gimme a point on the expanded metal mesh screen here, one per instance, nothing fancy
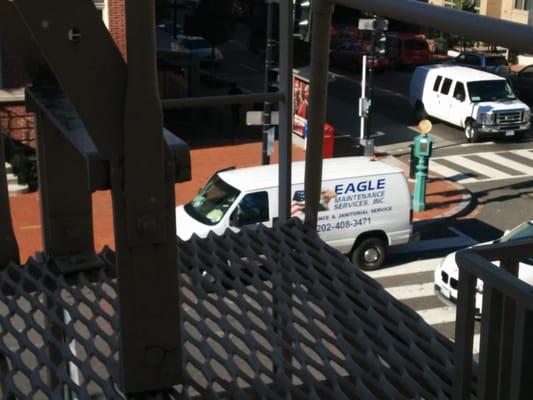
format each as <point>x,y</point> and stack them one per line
<point>265,314</point>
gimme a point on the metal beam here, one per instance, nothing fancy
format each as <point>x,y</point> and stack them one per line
<point>67,223</point>
<point>216,101</point>
<point>286,24</point>
<point>79,49</point>
<point>145,223</point>
<point>470,25</point>
<point>15,36</point>
<point>316,117</point>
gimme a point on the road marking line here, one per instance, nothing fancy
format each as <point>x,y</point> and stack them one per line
<point>449,173</point>
<point>522,168</point>
<point>412,268</point>
<point>523,153</point>
<point>438,315</point>
<point>411,291</point>
<point>478,167</point>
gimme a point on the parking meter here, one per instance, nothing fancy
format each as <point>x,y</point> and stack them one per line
<point>422,148</point>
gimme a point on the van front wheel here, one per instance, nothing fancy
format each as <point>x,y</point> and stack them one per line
<point>369,254</point>
<point>471,132</point>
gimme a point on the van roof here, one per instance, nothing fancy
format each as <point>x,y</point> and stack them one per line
<point>459,72</point>
<point>266,176</point>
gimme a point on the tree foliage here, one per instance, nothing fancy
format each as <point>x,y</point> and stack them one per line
<point>465,5</point>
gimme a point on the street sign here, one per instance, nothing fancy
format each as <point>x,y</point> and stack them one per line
<point>373,24</point>
<point>257,118</point>
<point>271,135</point>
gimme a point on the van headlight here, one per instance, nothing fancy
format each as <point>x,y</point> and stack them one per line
<point>486,118</point>
<point>527,115</point>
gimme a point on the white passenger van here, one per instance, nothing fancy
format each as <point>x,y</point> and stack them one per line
<point>365,205</point>
<point>480,102</point>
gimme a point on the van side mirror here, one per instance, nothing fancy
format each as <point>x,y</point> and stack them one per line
<point>460,97</point>
<point>235,218</point>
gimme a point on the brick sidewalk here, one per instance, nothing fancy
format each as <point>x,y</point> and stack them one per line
<point>443,197</point>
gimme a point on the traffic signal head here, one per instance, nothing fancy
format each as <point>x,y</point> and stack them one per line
<point>302,19</point>
<point>380,42</point>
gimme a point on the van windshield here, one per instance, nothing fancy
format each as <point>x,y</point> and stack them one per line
<point>212,201</point>
<point>490,90</point>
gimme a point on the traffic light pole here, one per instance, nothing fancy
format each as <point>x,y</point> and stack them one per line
<point>267,109</point>
<point>367,142</point>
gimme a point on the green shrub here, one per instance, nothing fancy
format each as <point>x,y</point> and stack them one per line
<point>25,168</point>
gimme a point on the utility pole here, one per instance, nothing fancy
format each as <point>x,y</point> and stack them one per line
<point>376,26</point>
<point>268,128</point>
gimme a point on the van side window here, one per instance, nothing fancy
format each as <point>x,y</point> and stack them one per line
<point>252,209</point>
<point>437,83</point>
<point>459,92</point>
<point>445,89</point>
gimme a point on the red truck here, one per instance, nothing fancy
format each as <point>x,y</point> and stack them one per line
<point>407,49</point>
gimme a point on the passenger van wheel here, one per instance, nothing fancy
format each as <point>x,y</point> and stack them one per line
<point>420,112</point>
<point>471,132</point>
<point>369,254</point>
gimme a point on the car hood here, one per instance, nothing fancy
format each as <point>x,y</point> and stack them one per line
<point>187,225</point>
<point>449,265</point>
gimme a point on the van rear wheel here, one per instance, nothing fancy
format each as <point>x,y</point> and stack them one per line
<point>369,254</point>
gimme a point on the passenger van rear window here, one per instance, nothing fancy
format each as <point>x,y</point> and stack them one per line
<point>446,86</point>
<point>437,83</point>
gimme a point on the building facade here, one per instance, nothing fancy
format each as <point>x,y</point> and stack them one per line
<point>511,10</point>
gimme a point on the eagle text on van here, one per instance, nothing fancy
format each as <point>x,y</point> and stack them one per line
<point>365,205</point>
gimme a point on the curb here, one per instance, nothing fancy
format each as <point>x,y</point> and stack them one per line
<point>452,211</point>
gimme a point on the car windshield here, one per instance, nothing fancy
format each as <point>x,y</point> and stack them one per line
<point>495,61</point>
<point>522,231</point>
<point>212,201</point>
<point>490,90</point>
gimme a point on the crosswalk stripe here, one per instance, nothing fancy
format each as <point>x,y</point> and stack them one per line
<point>494,157</point>
<point>450,173</point>
<point>524,153</point>
<point>439,315</point>
<point>412,291</point>
<point>478,167</point>
<point>412,268</point>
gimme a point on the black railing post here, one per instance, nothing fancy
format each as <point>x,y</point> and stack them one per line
<point>464,336</point>
<point>8,242</point>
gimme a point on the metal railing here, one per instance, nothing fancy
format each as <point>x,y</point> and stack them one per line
<point>506,346</point>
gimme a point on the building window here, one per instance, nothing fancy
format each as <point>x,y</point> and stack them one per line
<point>523,4</point>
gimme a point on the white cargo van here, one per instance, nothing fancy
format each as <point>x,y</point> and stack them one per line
<point>365,205</point>
<point>479,102</point>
